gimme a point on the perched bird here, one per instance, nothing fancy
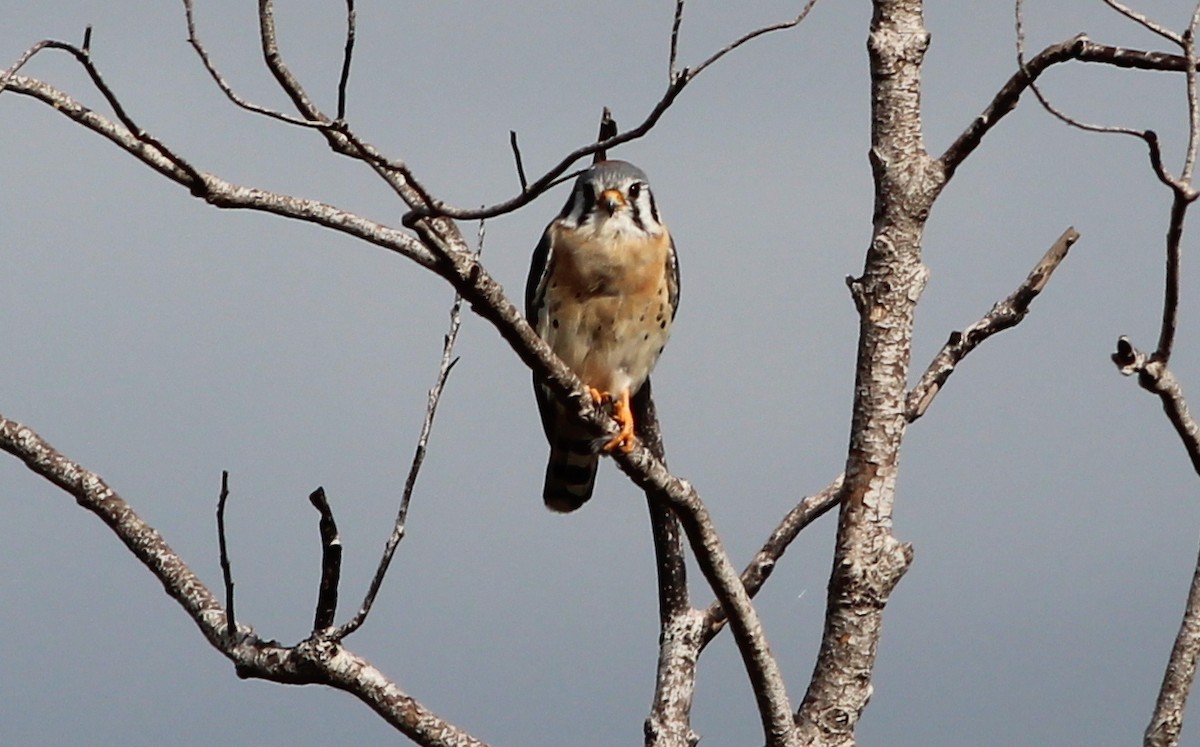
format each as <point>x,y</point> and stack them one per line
<point>602,291</point>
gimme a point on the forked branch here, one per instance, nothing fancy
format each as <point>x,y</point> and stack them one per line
<point>313,661</point>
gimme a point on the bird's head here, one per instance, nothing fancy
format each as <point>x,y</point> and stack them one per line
<point>612,196</point>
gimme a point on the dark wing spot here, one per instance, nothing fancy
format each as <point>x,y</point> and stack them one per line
<point>554,323</point>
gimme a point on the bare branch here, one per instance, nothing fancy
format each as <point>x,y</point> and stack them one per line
<point>766,680</point>
<point>1144,21</point>
<point>331,563</point>
<point>399,527</point>
<point>83,57</point>
<point>763,564</point>
<point>868,559</point>
<point>226,568</point>
<point>1079,48</point>
<point>671,74</point>
<point>551,177</point>
<point>669,721</point>
<point>516,149</point>
<point>1154,376</point>
<point>219,79</point>
<point>1004,315</point>
<point>225,194</point>
<point>347,56</point>
<point>1170,313</point>
<point>1189,53</point>
<point>1006,100</point>
<point>608,129</point>
<point>314,661</point>
<point>1045,102</point>
<point>808,6</point>
<point>1167,720</point>
<point>269,46</point>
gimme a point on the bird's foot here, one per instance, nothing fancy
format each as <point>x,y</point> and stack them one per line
<point>623,414</point>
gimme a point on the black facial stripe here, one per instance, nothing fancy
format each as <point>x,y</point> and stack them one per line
<point>653,207</point>
<point>636,214</point>
<point>587,193</point>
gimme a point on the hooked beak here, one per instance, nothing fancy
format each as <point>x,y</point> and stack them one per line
<point>610,200</point>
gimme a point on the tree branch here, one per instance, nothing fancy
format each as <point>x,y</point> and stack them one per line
<point>868,559</point>
<point>652,476</point>
<point>226,568</point>
<point>669,722</point>
<point>1004,315</point>
<point>763,564</point>
<point>314,661</point>
<point>399,527</point>
<point>1167,722</point>
<point>674,87</point>
<point>440,247</point>
<point>1154,376</point>
<point>331,563</point>
<point>347,57</point>
<point>1080,49</point>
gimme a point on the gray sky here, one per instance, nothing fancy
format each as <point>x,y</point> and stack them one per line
<point>158,341</point>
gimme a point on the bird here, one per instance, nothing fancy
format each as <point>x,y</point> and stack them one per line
<point>602,292</point>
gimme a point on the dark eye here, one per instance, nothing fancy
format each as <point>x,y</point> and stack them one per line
<point>635,190</point>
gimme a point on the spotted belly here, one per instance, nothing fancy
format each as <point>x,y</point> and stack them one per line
<point>611,342</point>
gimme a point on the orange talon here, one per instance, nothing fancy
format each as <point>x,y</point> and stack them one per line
<point>623,414</point>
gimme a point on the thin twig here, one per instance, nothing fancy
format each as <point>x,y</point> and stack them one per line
<point>269,46</point>
<point>692,73</point>
<point>219,79</point>
<point>1079,48</point>
<point>226,568</point>
<point>1144,21</point>
<point>1170,312</point>
<point>331,563</point>
<point>1006,100</point>
<point>83,56</point>
<point>554,174</point>
<point>399,527</point>
<point>1045,101</point>
<point>347,56</point>
<point>1189,53</point>
<point>310,662</point>
<point>516,149</point>
<point>608,129</point>
<point>675,23</point>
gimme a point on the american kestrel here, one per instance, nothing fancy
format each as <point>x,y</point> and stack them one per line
<point>602,292</point>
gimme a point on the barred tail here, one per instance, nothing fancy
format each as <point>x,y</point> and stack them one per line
<point>571,470</point>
